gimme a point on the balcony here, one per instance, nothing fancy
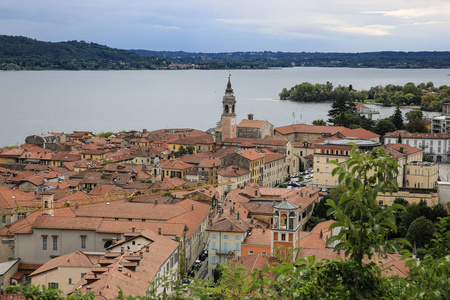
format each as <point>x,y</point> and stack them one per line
<point>224,252</point>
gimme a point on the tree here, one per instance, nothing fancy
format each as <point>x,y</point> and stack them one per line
<point>319,122</point>
<point>341,106</point>
<point>417,126</point>
<point>428,98</point>
<point>384,126</point>
<point>397,118</point>
<point>364,227</point>
<point>414,114</point>
<point>410,88</point>
<point>420,232</point>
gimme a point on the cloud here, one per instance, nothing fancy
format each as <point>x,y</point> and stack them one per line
<point>370,30</point>
<point>413,13</point>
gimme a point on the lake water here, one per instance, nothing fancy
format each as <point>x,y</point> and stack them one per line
<point>33,102</point>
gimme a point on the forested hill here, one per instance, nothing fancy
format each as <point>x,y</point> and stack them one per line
<point>21,53</point>
<point>268,59</point>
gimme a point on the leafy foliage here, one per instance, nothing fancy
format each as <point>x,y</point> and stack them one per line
<point>21,53</point>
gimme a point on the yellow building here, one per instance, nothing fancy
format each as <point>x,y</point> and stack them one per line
<point>231,177</point>
<point>203,143</point>
<point>423,175</point>
<point>175,168</point>
<point>63,272</point>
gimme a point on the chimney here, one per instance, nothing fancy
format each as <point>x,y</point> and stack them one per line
<point>133,229</point>
<point>122,250</point>
<point>88,289</point>
<point>114,241</point>
<point>120,268</point>
<point>147,248</point>
<point>159,230</point>
<point>141,254</point>
<point>192,206</point>
<point>250,116</point>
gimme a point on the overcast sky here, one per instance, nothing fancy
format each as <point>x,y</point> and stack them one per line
<point>235,25</point>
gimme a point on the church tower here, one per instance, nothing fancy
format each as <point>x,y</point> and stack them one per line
<point>285,229</point>
<point>228,120</point>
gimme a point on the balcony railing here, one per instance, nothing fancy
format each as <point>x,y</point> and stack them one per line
<point>224,252</point>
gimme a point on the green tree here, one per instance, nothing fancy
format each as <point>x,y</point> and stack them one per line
<point>420,232</point>
<point>319,122</point>
<point>410,88</point>
<point>384,126</point>
<point>343,105</point>
<point>397,118</point>
<point>414,114</point>
<point>417,126</point>
<point>364,227</point>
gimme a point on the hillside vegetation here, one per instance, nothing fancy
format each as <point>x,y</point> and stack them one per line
<point>21,53</point>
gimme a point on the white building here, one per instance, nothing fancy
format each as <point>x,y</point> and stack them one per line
<point>435,144</point>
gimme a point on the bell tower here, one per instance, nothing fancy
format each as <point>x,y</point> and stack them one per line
<point>228,120</point>
<point>285,229</point>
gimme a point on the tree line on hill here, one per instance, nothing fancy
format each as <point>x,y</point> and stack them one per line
<point>269,59</point>
<point>22,53</point>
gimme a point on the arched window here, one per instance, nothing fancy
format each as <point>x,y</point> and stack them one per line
<point>226,109</point>
<point>250,252</point>
<point>264,253</point>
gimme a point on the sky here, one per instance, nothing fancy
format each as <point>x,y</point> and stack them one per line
<point>235,25</point>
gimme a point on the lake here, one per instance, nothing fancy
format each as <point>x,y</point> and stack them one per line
<point>34,102</point>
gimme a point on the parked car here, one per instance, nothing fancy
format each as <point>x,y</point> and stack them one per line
<point>197,265</point>
<point>202,257</point>
<point>205,252</point>
<point>191,273</point>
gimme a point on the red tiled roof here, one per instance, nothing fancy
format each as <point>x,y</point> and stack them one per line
<point>175,165</point>
<point>74,259</point>
<point>246,123</point>
<point>79,223</point>
<point>360,133</point>
<point>305,128</point>
<point>406,134</point>
<point>251,154</point>
<point>232,171</point>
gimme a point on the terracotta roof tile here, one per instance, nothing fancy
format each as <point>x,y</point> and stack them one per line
<point>74,259</point>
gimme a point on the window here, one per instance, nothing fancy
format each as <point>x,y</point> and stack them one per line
<point>213,259</point>
<point>318,159</point>
<point>264,253</point>
<point>380,202</point>
<point>83,241</point>
<point>225,236</point>
<point>3,219</point>
<point>70,280</point>
<point>44,243</point>
<point>326,170</point>
<point>53,285</point>
<point>225,246</point>
<point>214,236</point>
<point>328,159</point>
<point>55,243</point>
<point>237,237</point>
<point>250,252</point>
<point>283,236</point>
<point>213,245</point>
<point>238,247</point>
<point>20,216</point>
